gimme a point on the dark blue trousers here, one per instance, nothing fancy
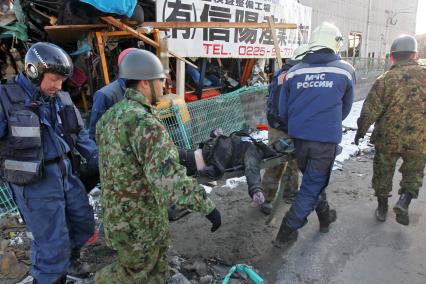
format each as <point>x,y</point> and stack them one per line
<point>56,211</point>
<point>315,161</point>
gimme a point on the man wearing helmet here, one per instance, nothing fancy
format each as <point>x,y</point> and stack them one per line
<point>106,97</point>
<point>316,96</point>
<point>140,173</point>
<point>41,137</point>
<point>397,105</point>
<point>273,175</point>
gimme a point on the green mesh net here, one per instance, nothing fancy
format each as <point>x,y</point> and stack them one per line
<point>6,202</point>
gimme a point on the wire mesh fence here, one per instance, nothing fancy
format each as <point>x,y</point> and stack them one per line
<point>7,205</point>
<point>224,111</point>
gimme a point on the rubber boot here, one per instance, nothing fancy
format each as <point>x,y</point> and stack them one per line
<point>382,209</point>
<point>286,235</point>
<point>266,208</point>
<point>326,216</point>
<point>401,208</point>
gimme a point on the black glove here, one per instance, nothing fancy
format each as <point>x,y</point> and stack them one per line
<point>215,219</point>
<point>357,137</point>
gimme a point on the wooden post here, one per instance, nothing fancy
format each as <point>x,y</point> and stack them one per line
<point>274,37</point>
<point>180,78</point>
<point>101,48</point>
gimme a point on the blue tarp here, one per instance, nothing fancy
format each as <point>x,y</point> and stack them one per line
<point>123,7</point>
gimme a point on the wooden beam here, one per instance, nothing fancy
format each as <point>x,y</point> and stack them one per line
<point>101,47</point>
<point>178,25</point>
<point>274,37</point>
<point>118,24</point>
<point>237,25</point>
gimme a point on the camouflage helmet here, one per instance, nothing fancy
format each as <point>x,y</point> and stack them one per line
<point>141,65</point>
<point>404,43</point>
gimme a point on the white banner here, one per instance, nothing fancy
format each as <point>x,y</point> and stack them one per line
<point>235,43</point>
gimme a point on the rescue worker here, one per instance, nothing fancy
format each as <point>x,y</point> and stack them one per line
<point>273,175</point>
<point>316,96</point>
<point>107,96</point>
<point>396,104</point>
<point>140,172</point>
<point>41,133</point>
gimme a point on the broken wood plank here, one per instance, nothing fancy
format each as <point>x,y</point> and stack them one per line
<point>120,25</point>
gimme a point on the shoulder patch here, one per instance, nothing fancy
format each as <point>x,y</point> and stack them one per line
<point>281,78</point>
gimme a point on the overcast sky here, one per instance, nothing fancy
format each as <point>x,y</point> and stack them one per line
<point>421,18</point>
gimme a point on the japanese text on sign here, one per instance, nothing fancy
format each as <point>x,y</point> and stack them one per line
<point>234,42</point>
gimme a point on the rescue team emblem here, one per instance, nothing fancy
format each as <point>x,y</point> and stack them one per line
<point>315,81</point>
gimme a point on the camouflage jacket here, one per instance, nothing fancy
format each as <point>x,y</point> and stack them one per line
<point>397,105</point>
<point>140,172</point>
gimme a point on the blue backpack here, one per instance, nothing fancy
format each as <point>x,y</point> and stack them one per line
<point>272,103</point>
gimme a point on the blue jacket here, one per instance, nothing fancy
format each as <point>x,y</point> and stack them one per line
<point>104,99</point>
<point>54,145</point>
<point>272,103</point>
<point>316,96</point>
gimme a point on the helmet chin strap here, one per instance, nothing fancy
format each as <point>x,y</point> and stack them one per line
<point>152,91</point>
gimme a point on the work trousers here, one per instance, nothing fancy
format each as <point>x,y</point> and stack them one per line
<point>412,170</point>
<point>315,161</point>
<point>272,175</point>
<point>134,267</point>
<point>57,212</point>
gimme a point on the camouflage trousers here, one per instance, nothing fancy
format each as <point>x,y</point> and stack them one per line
<point>134,267</point>
<point>272,175</point>
<point>412,170</point>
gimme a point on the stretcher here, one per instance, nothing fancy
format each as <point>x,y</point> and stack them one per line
<point>175,213</point>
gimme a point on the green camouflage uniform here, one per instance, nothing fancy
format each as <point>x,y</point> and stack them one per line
<point>140,173</point>
<point>397,106</point>
<point>272,175</point>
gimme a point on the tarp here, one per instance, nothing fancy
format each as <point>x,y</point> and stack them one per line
<point>17,29</point>
<point>122,7</point>
<point>234,43</point>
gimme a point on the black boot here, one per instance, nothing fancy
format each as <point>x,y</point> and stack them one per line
<point>326,216</point>
<point>401,208</point>
<point>285,235</point>
<point>382,208</point>
<point>77,267</point>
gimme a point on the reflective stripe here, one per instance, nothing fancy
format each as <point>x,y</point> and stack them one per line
<point>22,131</point>
<point>12,165</point>
<point>317,70</point>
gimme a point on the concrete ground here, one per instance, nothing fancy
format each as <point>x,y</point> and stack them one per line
<point>358,249</point>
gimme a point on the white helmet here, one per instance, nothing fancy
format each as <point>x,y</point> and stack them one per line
<point>326,35</point>
<point>300,51</point>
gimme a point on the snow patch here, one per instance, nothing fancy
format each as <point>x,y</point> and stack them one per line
<point>234,182</point>
<point>260,135</point>
<point>208,189</point>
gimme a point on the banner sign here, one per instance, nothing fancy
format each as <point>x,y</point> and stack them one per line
<point>234,42</point>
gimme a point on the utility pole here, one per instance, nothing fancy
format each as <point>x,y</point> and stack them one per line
<point>367,32</point>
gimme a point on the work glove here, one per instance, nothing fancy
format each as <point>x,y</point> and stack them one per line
<point>357,137</point>
<point>215,219</point>
<point>258,198</point>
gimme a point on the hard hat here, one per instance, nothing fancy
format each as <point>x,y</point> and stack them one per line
<point>326,35</point>
<point>141,65</point>
<point>124,53</point>
<point>300,51</point>
<point>44,57</point>
<point>298,54</point>
<point>404,43</point>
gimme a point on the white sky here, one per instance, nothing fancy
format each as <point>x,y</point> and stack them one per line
<point>421,18</point>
